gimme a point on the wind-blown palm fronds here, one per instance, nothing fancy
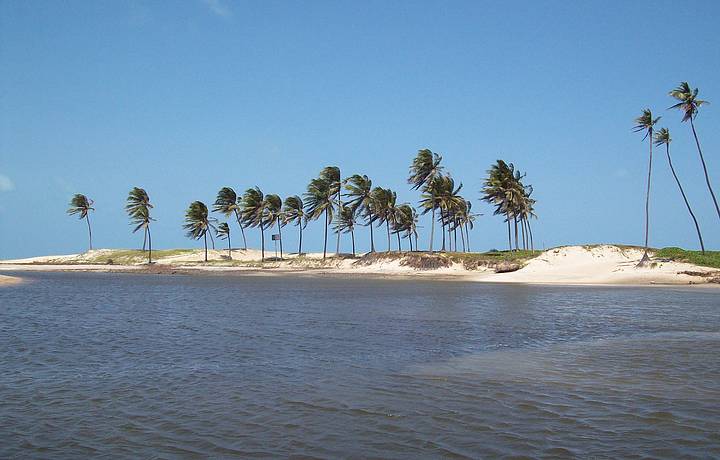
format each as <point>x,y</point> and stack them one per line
<point>223,233</point>
<point>197,223</point>
<point>82,205</point>
<point>423,171</point>
<point>359,190</point>
<point>331,174</point>
<point>255,213</point>
<point>689,103</point>
<point>227,202</point>
<point>318,201</point>
<point>138,209</point>
<point>275,216</point>
<point>294,211</point>
<point>345,223</point>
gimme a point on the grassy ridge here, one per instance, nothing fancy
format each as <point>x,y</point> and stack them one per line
<point>709,259</point>
<point>133,256</point>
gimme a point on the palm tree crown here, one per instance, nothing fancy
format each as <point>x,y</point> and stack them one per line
<point>645,122</point>
<point>687,100</point>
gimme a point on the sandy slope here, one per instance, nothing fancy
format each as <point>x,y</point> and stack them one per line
<point>605,264</point>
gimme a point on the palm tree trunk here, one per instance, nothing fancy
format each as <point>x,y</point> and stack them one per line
<point>522,232</point>
<point>682,192</point>
<point>467,237</point>
<point>647,201</point>
<point>410,242</point>
<point>702,159</point>
<point>87,218</point>
<point>149,245</point>
<point>532,245</point>
<point>205,237</point>
<point>398,238</point>
<point>280,233</point>
<point>229,248</point>
<point>300,244</point>
<point>212,240</point>
<point>455,236</point>
<point>462,238</point>
<point>326,230</point>
<point>262,243</point>
<point>339,203</point>
<point>242,230</point>
<point>442,222</point>
<point>144,238</point>
<point>352,236</point>
<point>507,215</point>
<point>370,224</point>
<point>516,233</point>
<point>387,225</point>
<point>432,224</point>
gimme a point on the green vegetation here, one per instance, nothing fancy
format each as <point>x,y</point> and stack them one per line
<point>707,259</point>
<point>130,256</point>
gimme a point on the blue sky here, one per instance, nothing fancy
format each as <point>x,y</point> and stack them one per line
<point>185,97</point>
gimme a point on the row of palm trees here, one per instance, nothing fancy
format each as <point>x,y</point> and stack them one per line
<point>345,204</point>
<point>688,103</point>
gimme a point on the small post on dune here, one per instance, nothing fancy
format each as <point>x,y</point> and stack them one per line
<point>276,237</point>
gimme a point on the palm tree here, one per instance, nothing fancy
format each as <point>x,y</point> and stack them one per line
<point>503,188</point>
<point>331,174</point>
<point>254,214</point>
<point>294,212</point>
<point>318,200</point>
<point>645,123</point>
<point>228,202</point>
<point>406,222</point>
<point>275,216</point>
<point>424,169</point>
<point>197,223</point>
<point>689,104</point>
<point>359,190</point>
<point>662,137</point>
<point>80,204</point>
<point>138,209</point>
<point>223,233</point>
<point>345,223</point>
<point>383,208</point>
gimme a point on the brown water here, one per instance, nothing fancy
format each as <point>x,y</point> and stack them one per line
<point>141,366</point>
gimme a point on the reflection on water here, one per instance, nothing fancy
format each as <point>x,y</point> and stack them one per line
<point>143,366</point>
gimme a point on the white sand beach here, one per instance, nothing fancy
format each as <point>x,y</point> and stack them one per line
<point>570,265</point>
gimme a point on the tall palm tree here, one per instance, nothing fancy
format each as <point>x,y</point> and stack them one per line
<point>138,208</point>
<point>689,104</point>
<point>197,223</point>
<point>223,233</point>
<point>359,190</point>
<point>82,205</point>
<point>275,216</point>
<point>662,137</point>
<point>254,214</point>
<point>424,169</point>
<point>227,203</point>
<point>294,212</point>
<point>331,174</point>
<point>503,188</point>
<point>645,123</point>
<point>345,223</point>
<point>318,201</point>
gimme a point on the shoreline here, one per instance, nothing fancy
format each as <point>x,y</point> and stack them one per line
<point>603,265</point>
